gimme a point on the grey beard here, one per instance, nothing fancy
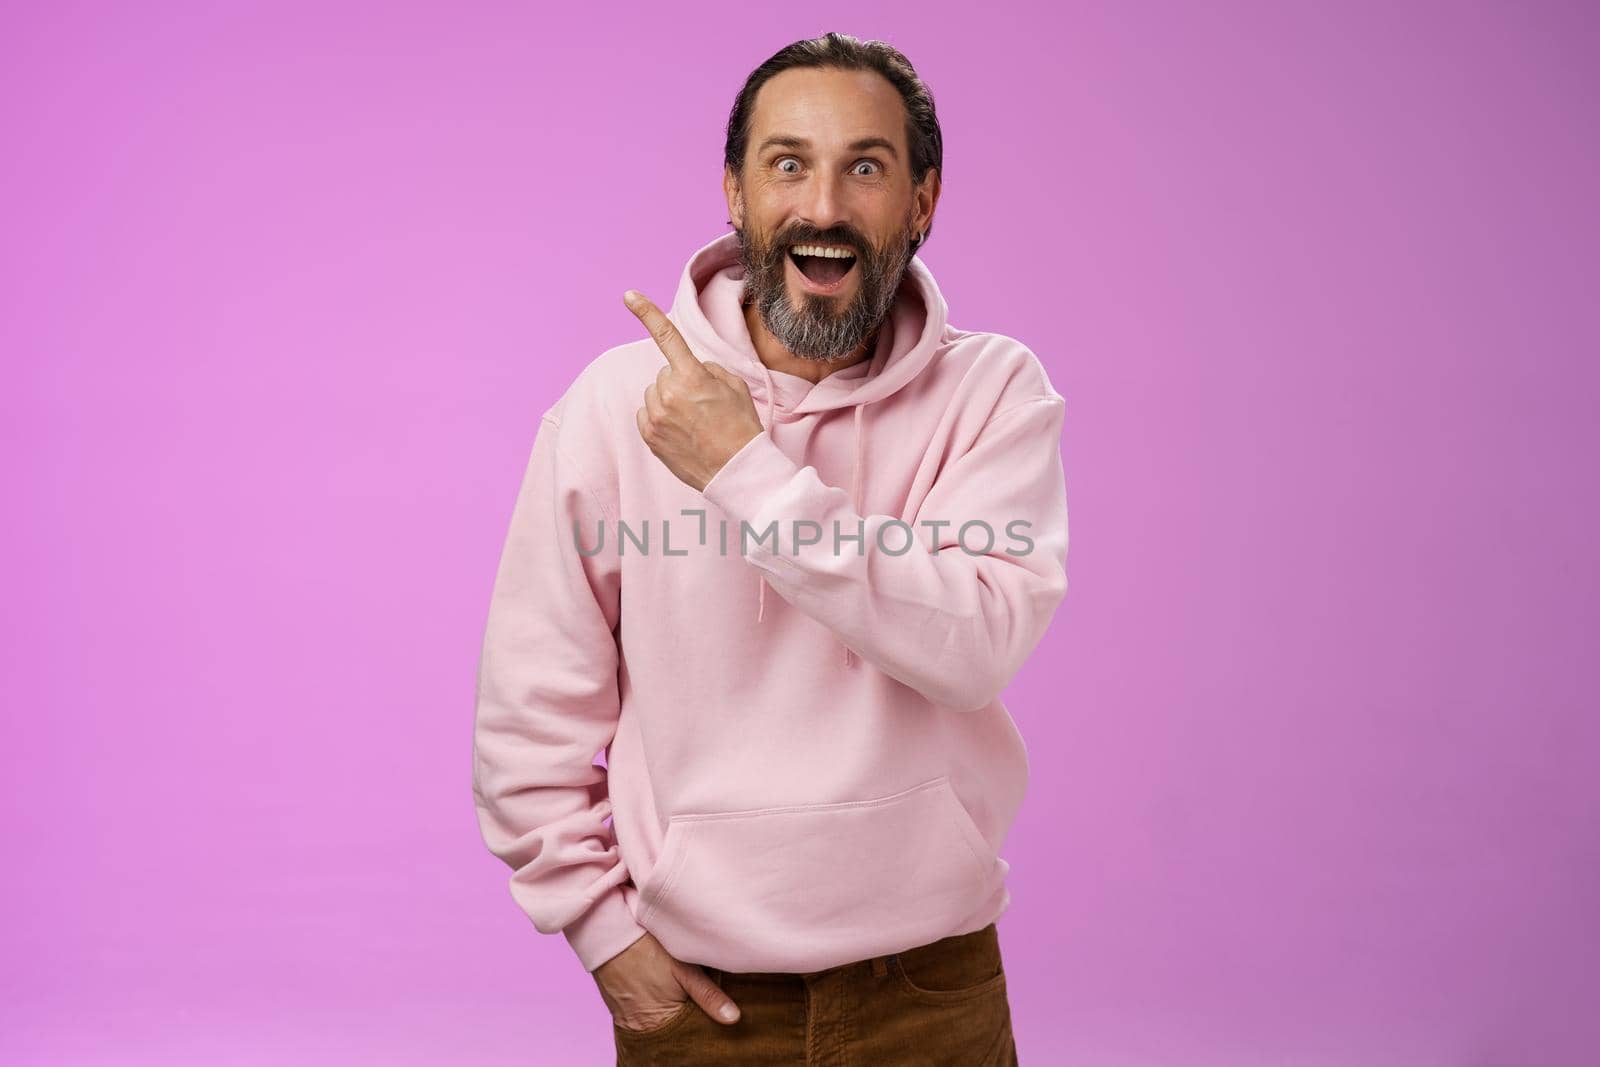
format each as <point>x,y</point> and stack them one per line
<point>810,332</point>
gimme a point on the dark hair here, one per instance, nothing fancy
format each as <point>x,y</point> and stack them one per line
<point>840,51</point>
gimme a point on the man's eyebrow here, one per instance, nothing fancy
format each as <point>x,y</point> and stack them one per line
<point>783,140</point>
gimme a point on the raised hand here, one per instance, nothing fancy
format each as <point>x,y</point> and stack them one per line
<point>696,415</point>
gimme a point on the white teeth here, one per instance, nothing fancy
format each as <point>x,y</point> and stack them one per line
<point>824,251</point>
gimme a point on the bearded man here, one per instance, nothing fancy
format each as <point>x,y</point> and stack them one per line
<point>809,772</point>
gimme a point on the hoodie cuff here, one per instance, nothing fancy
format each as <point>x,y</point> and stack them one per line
<point>604,930</point>
<point>749,479</point>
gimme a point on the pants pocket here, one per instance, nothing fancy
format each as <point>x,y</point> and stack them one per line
<point>951,970</point>
<point>942,1004</point>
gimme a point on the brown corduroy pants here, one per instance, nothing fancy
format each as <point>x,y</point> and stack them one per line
<point>943,1003</point>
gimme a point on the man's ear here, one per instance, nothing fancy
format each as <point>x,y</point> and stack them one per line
<point>735,197</point>
<point>927,197</point>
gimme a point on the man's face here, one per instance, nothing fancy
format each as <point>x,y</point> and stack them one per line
<point>826,165</point>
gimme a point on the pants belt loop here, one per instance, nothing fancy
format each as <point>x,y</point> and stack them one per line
<point>880,966</point>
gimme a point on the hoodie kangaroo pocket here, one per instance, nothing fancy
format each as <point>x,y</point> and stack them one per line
<point>807,887</point>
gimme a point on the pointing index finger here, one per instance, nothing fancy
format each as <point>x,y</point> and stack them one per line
<point>665,334</point>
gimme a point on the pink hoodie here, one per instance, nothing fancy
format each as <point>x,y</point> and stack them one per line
<point>797,776</point>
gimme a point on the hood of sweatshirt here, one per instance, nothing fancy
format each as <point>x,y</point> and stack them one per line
<point>708,310</point>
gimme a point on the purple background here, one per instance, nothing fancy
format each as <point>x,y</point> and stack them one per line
<point>1313,736</point>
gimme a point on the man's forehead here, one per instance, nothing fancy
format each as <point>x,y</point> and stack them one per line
<point>827,110</point>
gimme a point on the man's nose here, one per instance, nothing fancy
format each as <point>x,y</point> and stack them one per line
<point>825,205</point>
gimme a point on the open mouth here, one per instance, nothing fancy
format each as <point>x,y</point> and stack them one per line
<point>822,267</point>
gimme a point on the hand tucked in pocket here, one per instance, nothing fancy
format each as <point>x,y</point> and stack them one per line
<point>644,986</point>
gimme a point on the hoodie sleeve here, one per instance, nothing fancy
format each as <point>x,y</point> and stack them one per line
<point>954,623</point>
<point>547,702</point>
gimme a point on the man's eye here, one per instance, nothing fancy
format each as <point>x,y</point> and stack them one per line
<point>868,163</point>
<point>787,159</point>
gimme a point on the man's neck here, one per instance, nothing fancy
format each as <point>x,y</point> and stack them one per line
<point>772,352</point>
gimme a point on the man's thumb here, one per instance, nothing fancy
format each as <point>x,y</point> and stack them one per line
<point>708,994</point>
